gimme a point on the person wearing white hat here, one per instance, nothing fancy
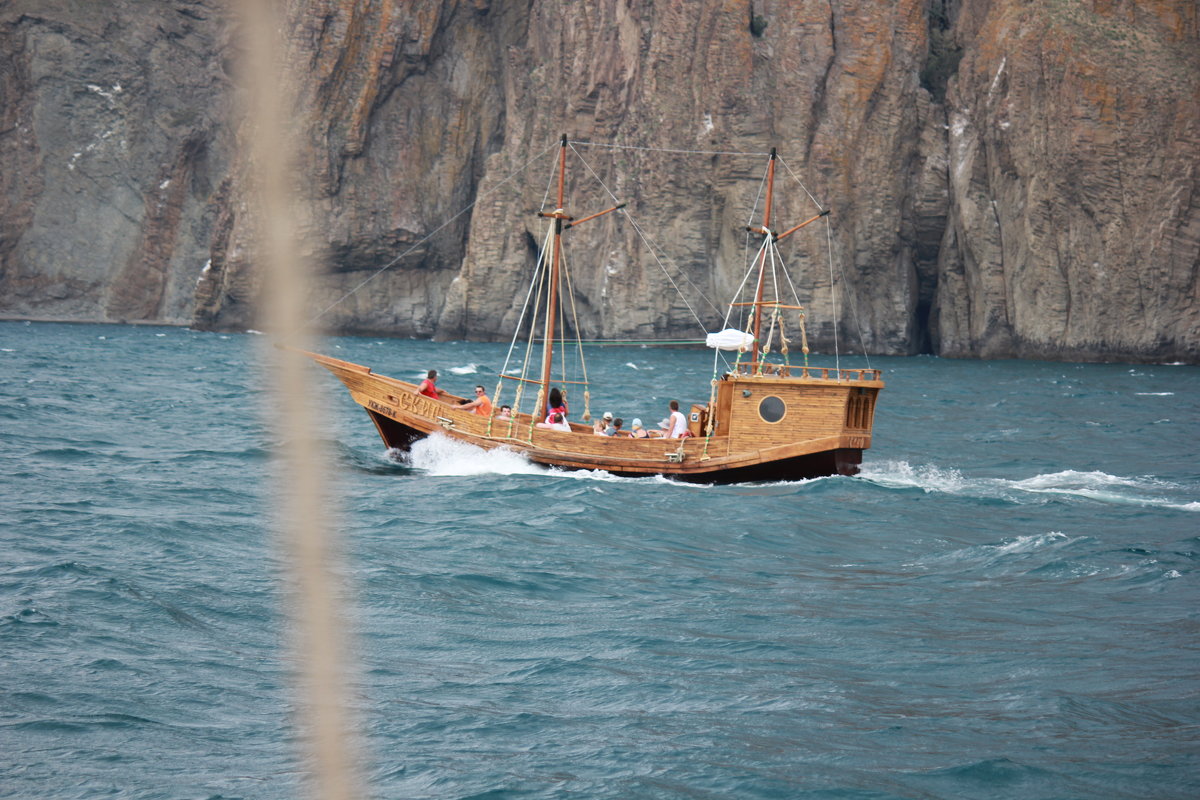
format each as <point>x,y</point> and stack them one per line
<point>603,426</point>
<point>637,431</point>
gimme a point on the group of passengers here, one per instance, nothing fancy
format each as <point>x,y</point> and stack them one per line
<point>673,427</point>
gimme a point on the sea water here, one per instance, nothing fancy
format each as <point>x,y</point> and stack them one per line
<point>1002,605</point>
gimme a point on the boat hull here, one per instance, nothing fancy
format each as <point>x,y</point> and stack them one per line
<point>825,433</point>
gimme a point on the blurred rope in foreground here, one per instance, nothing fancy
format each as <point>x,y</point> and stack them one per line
<point>303,517</point>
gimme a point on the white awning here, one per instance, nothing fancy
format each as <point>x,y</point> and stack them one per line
<point>729,339</point>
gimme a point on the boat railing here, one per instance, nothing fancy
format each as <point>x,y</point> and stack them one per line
<point>752,369</point>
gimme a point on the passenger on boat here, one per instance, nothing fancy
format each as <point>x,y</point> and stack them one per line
<point>481,405</point>
<point>638,431</point>
<point>603,426</point>
<point>558,423</point>
<point>676,423</point>
<point>427,387</point>
<point>615,430</point>
<point>505,414</point>
<point>557,405</point>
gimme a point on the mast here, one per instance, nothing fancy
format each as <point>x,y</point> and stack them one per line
<point>762,260</point>
<point>555,261</point>
<point>562,221</point>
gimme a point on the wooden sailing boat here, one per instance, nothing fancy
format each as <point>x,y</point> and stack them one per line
<point>765,419</point>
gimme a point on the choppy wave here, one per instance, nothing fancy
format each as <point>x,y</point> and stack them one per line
<point>1096,486</point>
<point>1055,556</point>
<point>1008,620</point>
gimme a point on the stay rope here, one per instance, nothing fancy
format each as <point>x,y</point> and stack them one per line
<point>432,233</point>
<point>587,395</point>
<point>651,246</point>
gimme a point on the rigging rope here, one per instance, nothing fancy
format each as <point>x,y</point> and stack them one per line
<point>525,308</point>
<point>652,247</point>
<point>667,150</point>
<point>587,396</point>
<point>725,323</point>
<point>796,177</point>
<point>803,339</point>
<point>430,235</point>
<point>655,252</point>
<point>550,181</point>
<point>533,420</point>
<point>837,353</point>
<point>540,277</point>
<point>832,289</point>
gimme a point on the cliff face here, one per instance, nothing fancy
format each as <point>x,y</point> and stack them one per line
<point>825,88</point>
<point>1074,144</point>
<point>114,129</point>
<point>1006,179</point>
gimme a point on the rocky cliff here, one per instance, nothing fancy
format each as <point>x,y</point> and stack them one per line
<point>1007,179</point>
<point>114,132</point>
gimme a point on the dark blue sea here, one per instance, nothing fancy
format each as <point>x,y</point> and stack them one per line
<point>1003,604</point>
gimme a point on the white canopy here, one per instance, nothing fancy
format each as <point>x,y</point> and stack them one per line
<point>729,339</point>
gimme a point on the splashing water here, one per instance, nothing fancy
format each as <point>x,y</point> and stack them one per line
<point>442,456</point>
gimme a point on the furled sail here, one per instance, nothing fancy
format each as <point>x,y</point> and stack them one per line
<point>729,339</point>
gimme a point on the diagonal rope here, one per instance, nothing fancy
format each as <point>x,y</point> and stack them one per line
<point>431,234</point>
<point>718,355</point>
<point>796,178</point>
<point>525,308</point>
<point>549,179</point>
<point>668,150</point>
<point>652,247</point>
<point>837,354</point>
<point>832,289</point>
<point>575,324</point>
<point>853,305</point>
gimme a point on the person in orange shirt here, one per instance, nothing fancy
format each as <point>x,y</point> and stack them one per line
<point>481,405</point>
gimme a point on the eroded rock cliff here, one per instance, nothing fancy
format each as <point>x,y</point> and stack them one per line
<point>1006,178</point>
<point>1074,134</point>
<point>114,131</point>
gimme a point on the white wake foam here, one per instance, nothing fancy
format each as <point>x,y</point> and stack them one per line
<point>1096,486</point>
<point>441,455</point>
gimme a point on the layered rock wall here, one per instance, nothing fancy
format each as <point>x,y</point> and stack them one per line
<point>1007,179</point>
<point>1074,130</point>
<point>114,130</point>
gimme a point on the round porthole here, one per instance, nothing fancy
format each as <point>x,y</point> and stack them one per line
<point>771,409</point>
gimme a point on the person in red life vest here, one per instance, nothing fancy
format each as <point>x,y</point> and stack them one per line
<point>557,405</point>
<point>481,405</point>
<point>428,388</point>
